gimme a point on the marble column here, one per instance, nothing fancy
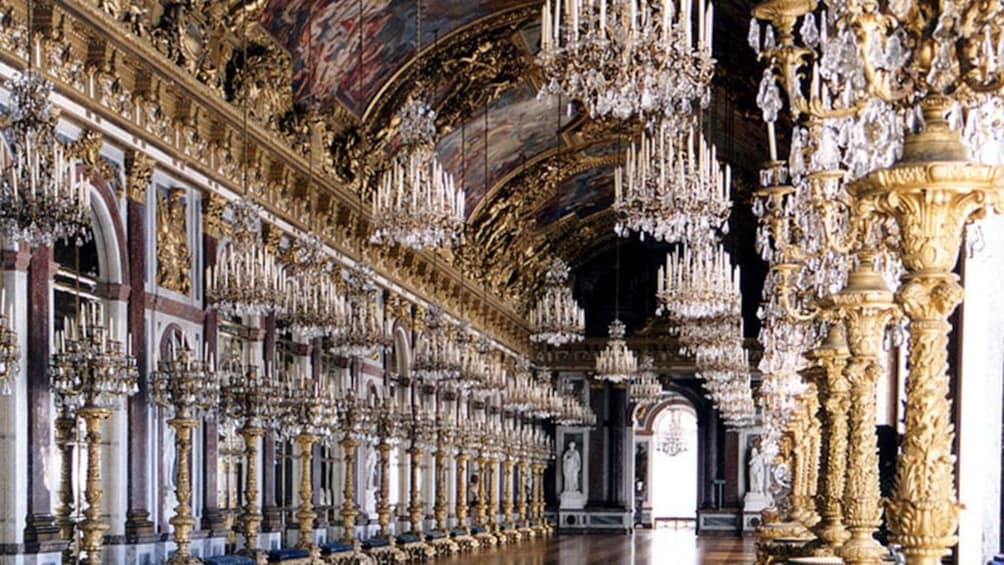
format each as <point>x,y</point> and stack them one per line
<point>40,524</point>
<point>316,373</point>
<point>138,526</point>
<point>271,514</point>
<point>212,518</point>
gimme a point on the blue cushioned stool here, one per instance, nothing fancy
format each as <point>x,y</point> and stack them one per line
<point>279,555</point>
<point>336,547</point>
<point>375,543</point>
<point>407,538</point>
<point>228,560</point>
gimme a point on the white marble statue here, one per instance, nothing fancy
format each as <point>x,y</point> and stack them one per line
<point>758,471</point>
<point>571,464</point>
<point>372,481</point>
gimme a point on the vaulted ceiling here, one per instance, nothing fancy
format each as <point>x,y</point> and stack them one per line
<point>534,189</point>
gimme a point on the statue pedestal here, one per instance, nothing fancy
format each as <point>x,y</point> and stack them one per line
<point>573,501</point>
<point>753,505</point>
<point>755,502</point>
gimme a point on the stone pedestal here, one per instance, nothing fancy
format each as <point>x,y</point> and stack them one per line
<point>573,501</point>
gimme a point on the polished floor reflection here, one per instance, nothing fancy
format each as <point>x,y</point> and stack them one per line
<point>646,547</point>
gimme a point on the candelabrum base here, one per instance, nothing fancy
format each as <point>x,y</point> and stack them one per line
<point>418,551</point>
<point>466,543</point>
<point>444,546</point>
<point>486,540</point>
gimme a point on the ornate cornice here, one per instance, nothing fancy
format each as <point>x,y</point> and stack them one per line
<point>121,78</point>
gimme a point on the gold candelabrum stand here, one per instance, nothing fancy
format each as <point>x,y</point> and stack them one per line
<point>461,502</point>
<point>415,495</point>
<point>834,397</point>
<point>485,537</point>
<point>536,509</point>
<point>526,529</point>
<point>866,308</point>
<point>252,517</point>
<point>493,493</point>
<point>93,370</point>
<point>349,510</point>
<point>93,527</point>
<point>444,439</point>
<point>305,514</point>
<point>186,384</point>
<point>66,440</point>
<point>932,192</point>
<point>510,534</point>
<point>387,426</point>
<point>465,541</point>
<point>441,510</point>
<point>183,521</point>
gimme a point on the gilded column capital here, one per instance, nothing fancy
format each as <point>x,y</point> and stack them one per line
<point>138,174</point>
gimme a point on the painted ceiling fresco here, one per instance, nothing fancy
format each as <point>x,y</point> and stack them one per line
<point>582,195</point>
<point>390,37</point>
<point>518,124</point>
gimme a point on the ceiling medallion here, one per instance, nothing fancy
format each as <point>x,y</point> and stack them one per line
<point>416,203</point>
<point>557,318</point>
<point>672,188</point>
<point>627,59</point>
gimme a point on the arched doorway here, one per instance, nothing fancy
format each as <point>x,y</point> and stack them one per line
<point>673,465</point>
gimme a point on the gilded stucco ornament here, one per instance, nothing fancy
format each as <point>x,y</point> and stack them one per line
<point>174,258</point>
<point>139,172</point>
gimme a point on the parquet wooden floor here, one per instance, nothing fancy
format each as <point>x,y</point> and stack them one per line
<point>646,547</point>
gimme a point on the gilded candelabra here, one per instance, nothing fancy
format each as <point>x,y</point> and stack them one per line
<point>309,413</point>
<point>834,396</point>
<point>355,420</point>
<point>185,384</point>
<point>252,400</point>
<point>920,99</point>
<point>92,370</point>
<point>388,427</point>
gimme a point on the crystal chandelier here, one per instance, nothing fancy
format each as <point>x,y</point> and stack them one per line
<point>557,318</point>
<point>315,308</point>
<point>437,355</point>
<point>707,336</point>
<point>645,387</point>
<point>44,195</point>
<point>472,362</point>
<point>185,382</point>
<point>671,440</point>
<point>672,188</point>
<point>734,400</point>
<point>365,330</point>
<point>698,284</point>
<point>9,351</point>
<point>90,367</point>
<point>247,281</point>
<point>416,203</point>
<point>616,363</point>
<point>574,413</point>
<point>628,59</point>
